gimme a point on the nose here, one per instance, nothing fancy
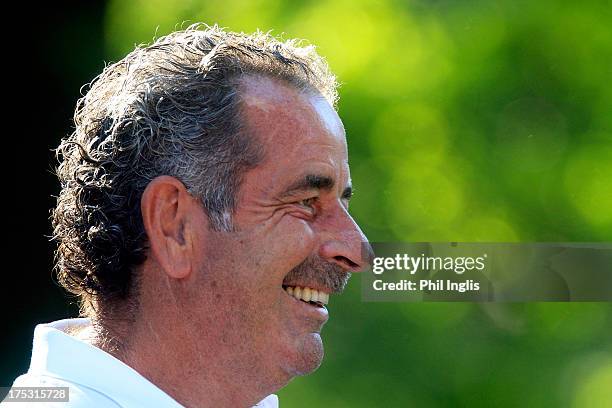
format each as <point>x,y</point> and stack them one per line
<point>344,244</point>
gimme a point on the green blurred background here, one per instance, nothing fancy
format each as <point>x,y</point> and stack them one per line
<point>467,121</point>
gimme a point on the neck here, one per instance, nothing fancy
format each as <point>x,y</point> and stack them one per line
<point>185,360</point>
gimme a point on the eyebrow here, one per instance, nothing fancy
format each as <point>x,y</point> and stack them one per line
<point>314,182</point>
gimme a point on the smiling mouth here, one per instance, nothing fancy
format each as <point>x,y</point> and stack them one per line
<point>308,295</point>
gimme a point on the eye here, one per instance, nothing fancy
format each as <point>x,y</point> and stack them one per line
<point>308,202</point>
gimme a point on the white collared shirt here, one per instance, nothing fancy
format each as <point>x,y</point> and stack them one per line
<point>94,377</point>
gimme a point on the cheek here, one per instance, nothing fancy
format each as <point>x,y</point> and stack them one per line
<point>267,254</point>
<point>295,241</point>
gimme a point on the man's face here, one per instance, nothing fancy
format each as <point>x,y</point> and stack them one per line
<point>292,229</point>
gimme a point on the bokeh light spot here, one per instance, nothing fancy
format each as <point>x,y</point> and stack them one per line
<point>588,183</point>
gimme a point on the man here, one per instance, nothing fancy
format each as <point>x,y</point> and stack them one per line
<point>203,224</point>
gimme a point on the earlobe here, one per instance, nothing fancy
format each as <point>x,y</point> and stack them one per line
<point>166,209</point>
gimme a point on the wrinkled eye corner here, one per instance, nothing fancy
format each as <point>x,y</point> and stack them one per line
<point>308,202</point>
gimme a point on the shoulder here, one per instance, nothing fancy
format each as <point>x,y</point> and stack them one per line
<point>79,396</point>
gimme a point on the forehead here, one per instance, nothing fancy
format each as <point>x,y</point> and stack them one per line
<point>299,132</point>
<point>269,104</point>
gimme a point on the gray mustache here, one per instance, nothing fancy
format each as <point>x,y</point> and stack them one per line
<point>315,270</point>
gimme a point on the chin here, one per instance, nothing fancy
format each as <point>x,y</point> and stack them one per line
<point>309,355</point>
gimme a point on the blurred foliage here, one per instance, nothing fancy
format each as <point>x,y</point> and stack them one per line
<point>467,121</point>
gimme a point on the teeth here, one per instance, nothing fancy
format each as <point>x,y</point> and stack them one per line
<point>308,294</point>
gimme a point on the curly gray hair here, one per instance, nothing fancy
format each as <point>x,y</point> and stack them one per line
<point>170,108</point>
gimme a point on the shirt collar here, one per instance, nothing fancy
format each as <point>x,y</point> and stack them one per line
<point>57,354</point>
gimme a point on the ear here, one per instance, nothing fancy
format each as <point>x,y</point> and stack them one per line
<point>175,223</point>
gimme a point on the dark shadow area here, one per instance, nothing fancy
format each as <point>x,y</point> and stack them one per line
<point>50,51</point>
